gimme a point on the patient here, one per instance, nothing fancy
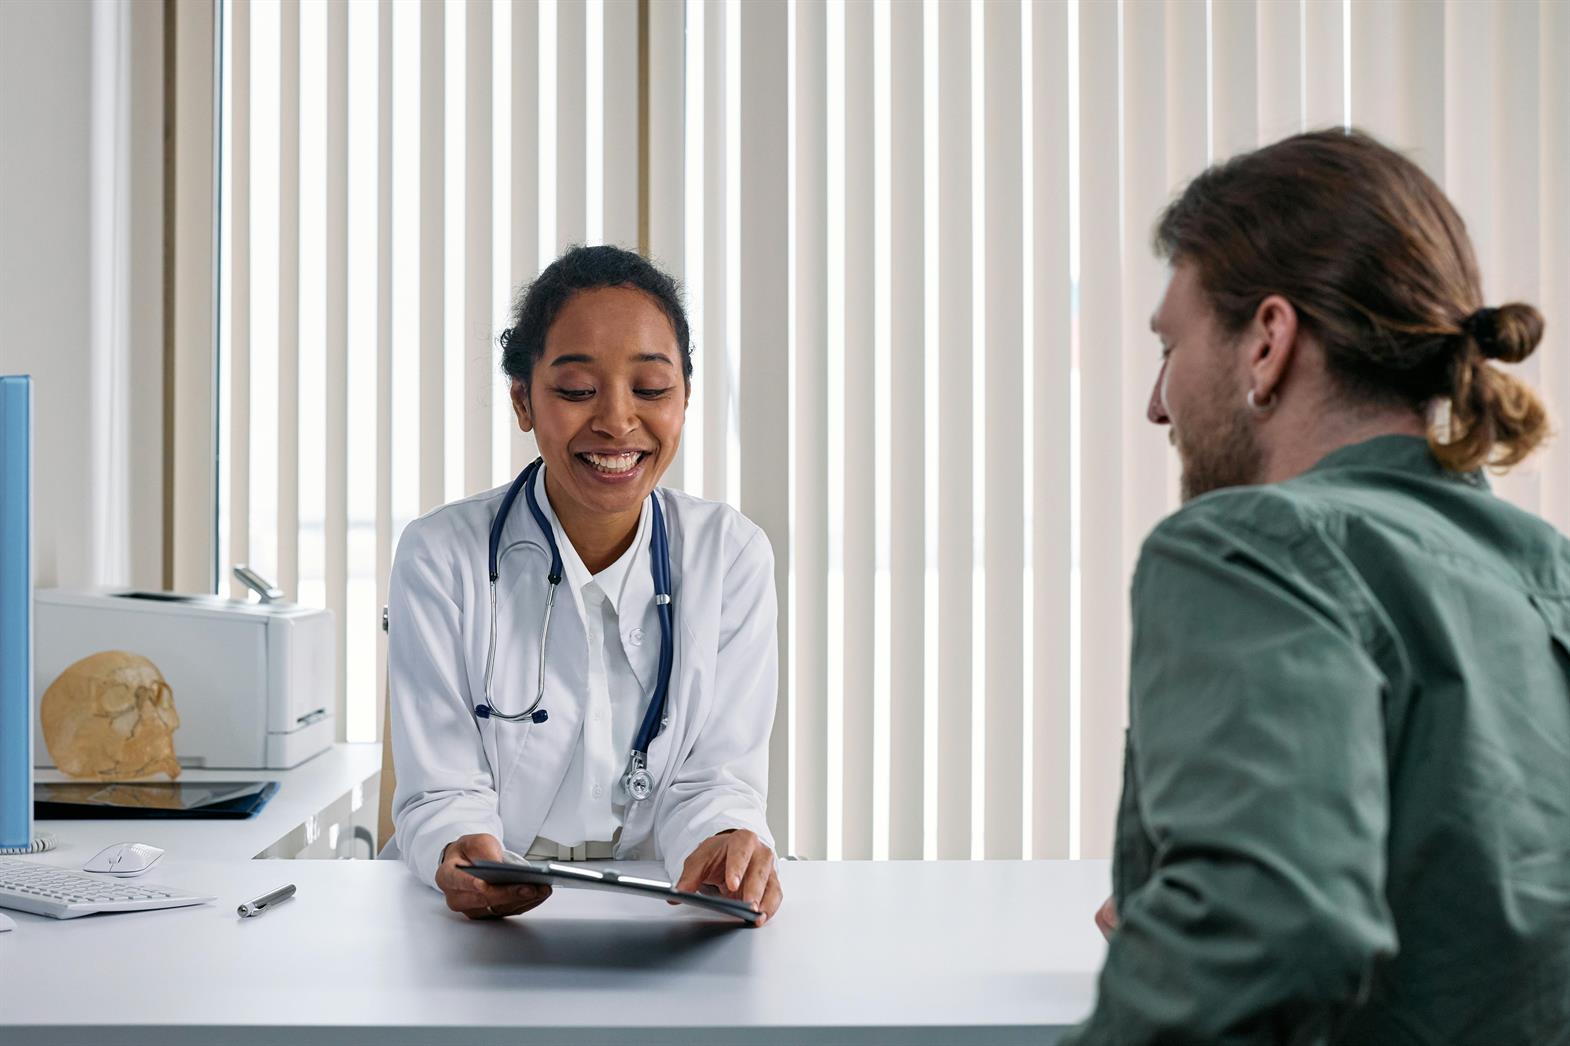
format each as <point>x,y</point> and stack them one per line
<point>1346,809</point>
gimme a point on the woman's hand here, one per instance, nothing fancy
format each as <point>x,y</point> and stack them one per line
<point>1107,918</point>
<point>474,897</point>
<point>740,866</point>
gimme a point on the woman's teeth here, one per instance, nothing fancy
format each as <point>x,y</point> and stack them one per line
<point>613,462</point>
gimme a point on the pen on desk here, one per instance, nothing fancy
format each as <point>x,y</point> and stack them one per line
<point>266,901</point>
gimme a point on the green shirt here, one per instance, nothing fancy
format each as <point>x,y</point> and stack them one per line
<point>1346,802</point>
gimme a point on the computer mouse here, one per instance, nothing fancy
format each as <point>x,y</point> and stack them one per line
<point>124,859</point>
<point>6,923</point>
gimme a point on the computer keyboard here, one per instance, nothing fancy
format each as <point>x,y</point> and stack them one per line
<point>64,893</point>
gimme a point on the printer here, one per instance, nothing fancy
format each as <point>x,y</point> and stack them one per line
<point>254,683</point>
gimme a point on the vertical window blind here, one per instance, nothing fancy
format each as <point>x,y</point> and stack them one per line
<point>914,238</point>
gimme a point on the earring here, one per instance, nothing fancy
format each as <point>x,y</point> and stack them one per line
<point>1263,408</point>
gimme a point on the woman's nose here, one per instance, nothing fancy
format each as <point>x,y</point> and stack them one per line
<point>617,414</point>
<point>1157,411</point>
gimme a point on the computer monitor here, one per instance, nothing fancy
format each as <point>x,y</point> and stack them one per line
<point>16,613</point>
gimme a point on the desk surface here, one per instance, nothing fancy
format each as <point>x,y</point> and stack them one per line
<point>301,793</point>
<point>861,952</point>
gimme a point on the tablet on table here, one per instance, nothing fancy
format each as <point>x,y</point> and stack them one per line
<point>582,877</point>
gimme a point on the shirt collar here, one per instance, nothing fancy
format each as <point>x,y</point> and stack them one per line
<point>612,581</point>
<point>1410,454</point>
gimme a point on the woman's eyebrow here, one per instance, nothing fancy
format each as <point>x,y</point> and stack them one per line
<point>578,357</point>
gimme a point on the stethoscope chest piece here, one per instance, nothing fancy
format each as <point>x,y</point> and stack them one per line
<point>636,779</point>
<point>640,785</point>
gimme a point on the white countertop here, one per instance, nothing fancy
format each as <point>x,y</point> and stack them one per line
<point>861,952</point>
<point>301,793</point>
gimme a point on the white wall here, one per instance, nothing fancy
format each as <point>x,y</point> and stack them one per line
<point>46,284</point>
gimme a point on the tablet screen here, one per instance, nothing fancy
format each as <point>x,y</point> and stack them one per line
<point>588,877</point>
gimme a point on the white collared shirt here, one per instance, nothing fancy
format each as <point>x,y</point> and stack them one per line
<point>591,804</point>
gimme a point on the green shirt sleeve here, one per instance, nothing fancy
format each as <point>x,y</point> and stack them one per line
<point>1250,861</point>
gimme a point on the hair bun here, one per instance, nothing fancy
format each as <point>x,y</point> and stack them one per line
<point>1509,333</point>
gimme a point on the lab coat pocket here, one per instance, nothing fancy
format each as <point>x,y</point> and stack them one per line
<point>664,758</point>
<point>487,728</point>
<point>683,721</point>
<point>505,747</point>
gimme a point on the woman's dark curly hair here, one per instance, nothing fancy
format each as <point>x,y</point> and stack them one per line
<point>583,269</point>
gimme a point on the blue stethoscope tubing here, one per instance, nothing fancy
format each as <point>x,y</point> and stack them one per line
<point>636,779</point>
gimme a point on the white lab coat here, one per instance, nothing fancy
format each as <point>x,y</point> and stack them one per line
<point>710,763</point>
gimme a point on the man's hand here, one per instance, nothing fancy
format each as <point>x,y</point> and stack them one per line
<point>1107,918</point>
<point>474,897</point>
<point>740,866</point>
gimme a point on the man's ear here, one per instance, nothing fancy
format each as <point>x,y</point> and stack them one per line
<point>520,405</point>
<point>1272,342</point>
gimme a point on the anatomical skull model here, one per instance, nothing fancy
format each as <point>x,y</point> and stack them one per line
<point>111,717</point>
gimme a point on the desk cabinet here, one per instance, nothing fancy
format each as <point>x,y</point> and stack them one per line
<point>324,809</point>
<point>343,829</point>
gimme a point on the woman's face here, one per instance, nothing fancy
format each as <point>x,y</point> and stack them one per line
<point>606,402</point>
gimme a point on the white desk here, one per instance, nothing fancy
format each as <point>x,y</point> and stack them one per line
<point>907,952</point>
<point>335,788</point>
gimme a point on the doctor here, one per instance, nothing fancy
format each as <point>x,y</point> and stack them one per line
<point>623,712</point>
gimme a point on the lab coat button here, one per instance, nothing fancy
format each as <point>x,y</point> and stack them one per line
<point>598,791</point>
<point>635,637</point>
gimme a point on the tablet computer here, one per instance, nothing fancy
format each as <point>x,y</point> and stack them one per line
<point>117,800</point>
<point>582,877</point>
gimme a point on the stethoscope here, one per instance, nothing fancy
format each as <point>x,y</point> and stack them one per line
<point>637,779</point>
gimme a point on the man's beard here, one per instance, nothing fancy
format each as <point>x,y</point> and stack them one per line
<point>1219,451</point>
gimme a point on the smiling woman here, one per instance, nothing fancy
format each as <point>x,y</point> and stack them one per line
<point>600,359</point>
<point>622,753</point>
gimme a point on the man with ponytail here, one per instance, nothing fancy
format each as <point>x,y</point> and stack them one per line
<point>1346,809</point>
